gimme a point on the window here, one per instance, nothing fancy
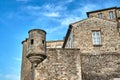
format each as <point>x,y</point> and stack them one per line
<point>96,37</point>
<point>100,15</point>
<point>111,15</point>
<point>119,11</point>
<point>119,26</point>
<point>43,41</point>
<point>58,46</point>
<point>48,46</point>
<point>32,41</point>
<point>116,79</point>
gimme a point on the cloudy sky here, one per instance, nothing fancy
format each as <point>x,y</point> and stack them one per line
<point>54,16</point>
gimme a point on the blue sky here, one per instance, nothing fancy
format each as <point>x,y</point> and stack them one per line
<point>54,16</point>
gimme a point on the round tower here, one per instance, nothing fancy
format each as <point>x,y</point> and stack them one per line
<point>36,49</point>
<point>36,46</point>
<point>25,66</point>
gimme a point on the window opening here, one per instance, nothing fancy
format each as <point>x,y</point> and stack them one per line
<point>111,16</point>
<point>100,15</point>
<point>43,41</point>
<point>96,37</point>
<point>32,41</point>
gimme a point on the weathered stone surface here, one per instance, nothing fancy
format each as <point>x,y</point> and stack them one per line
<point>106,14</point>
<point>104,66</point>
<point>37,41</point>
<point>87,62</point>
<point>82,35</point>
<point>61,64</point>
<point>54,44</point>
<point>26,66</point>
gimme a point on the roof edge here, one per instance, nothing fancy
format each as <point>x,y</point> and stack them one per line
<point>55,41</point>
<point>67,34</point>
<point>101,10</point>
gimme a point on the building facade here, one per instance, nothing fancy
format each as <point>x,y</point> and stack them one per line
<point>54,44</point>
<point>90,50</point>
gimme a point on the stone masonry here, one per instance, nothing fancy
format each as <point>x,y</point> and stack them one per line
<point>110,39</point>
<point>54,44</point>
<point>90,50</point>
<point>61,64</point>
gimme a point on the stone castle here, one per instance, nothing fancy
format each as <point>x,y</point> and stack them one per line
<point>89,51</point>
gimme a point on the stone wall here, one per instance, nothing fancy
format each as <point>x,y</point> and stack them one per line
<point>104,66</point>
<point>105,14</point>
<point>82,35</point>
<point>118,14</point>
<point>61,64</point>
<point>88,62</point>
<point>54,44</point>
<point>26,65</point>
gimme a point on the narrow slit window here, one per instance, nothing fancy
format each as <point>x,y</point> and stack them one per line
<point>42,41</point>
<point>32,41</point>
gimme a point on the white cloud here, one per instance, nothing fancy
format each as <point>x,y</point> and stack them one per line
<point>88,7</point>
<point>57,14</point>
<point>54,29</point>
<point>48,10</point>
<point>22,0</point>
<point>33,7</point>
<point>81,10</point>
<point>54,8</point>
<point>69,1</point>
<point>69,20</point>
<point>52,14</point>
<point>46,7</point>
<point>61,2</point>
<point>10,76</point>
<point>18,59</point>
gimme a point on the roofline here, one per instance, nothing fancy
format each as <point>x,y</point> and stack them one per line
<point>78,21</point>
<point>72,24</point>
<point>63,48</point>
<point>67,35</point>
<point>90,18</point>
<point>55,41</point>
<point>36,30</point>
<point>101,10</point>
<point>24,41</point>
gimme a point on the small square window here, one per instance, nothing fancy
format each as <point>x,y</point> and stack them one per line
<point>100,15</point>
